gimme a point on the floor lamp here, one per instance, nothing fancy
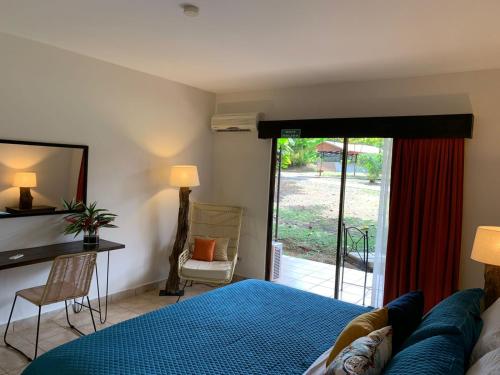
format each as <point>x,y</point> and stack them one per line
<point>486,250</point>
<point>184,177</point>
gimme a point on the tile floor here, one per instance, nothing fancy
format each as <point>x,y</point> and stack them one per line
<point>319,278</point>
<point>298,273</point>
<point>54,330</point>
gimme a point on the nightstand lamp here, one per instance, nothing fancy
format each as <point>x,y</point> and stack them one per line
<point>184,177</point>
<point>486,250</point>
<point>25,181</point>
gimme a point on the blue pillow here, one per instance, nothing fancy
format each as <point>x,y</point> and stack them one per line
<point>459,314</point>
<point>437,355</point>
<point>405,314</point>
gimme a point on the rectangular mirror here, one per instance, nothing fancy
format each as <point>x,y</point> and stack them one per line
<point>35,177</point>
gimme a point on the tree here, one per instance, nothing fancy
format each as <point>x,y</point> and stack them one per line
<point>373,165</point>
<point>298,152</point>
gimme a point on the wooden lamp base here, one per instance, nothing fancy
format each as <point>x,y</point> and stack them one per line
<point>25,198</point>
<point>491,284</point>
<point>172,284</point>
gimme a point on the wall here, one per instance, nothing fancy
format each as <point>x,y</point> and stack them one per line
<point>136,125</point>
<point>242,161</point>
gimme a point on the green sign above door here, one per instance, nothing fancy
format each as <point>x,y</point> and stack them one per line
<point>290,133</point>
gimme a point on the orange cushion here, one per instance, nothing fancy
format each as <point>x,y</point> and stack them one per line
<point>204,249</point>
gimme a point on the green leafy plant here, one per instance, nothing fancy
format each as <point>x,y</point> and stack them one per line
<point>87,219</point>
<point>373,165</point>
<point>298,152</point>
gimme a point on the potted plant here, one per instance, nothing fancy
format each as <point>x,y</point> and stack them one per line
<point>87,219</point>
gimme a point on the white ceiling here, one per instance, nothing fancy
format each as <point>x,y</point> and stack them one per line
<point>238,45</point>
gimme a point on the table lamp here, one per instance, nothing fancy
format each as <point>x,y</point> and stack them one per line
<point>486,250</point>
<point>24,181</point>
<point>184,177</point>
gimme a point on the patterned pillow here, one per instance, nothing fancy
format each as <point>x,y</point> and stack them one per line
<point>367,355</point>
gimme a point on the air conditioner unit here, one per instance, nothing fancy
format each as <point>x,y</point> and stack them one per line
<point>276,260</point>
<point>235,122</point>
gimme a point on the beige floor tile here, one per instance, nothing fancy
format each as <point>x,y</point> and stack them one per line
<point>47,329</point>
<point>89,328</point>
<point>141,304</point>
<point>17,371</point>
<point>11,360</point>
<point>59,339</point>
<point>120,316</point>
<point>29,323</point>
<point>80,319</point>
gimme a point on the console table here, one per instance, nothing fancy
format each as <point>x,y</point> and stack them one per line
<point>40,254</point>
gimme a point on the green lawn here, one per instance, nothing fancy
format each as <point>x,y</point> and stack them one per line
<point>311,233</point>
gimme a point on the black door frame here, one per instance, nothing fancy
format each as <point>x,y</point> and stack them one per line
<point>270,217</point>
<point>427,126</point>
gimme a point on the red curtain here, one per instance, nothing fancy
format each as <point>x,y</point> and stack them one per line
<point>80,189</point>
<point>425,218</point>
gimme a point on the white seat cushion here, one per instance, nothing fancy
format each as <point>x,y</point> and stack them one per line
<point>216,270</point>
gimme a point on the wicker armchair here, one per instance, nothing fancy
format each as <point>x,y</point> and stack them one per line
<point>209,220</point>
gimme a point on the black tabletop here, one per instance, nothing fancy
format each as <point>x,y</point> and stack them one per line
<point>47,253</point>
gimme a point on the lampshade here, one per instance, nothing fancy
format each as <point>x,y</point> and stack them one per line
<point>25,179</point>
<point>184,176</point>
<point>486,247</point>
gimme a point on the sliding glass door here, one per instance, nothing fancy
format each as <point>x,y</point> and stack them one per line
<point>329,211</point>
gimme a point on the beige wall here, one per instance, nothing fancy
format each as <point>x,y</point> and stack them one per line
<point>242,161</point>
<point>136,125</point>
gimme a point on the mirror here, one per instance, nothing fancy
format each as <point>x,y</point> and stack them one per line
<point>35,178</point>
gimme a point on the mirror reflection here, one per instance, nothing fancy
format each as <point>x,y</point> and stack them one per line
<point>36,179</point>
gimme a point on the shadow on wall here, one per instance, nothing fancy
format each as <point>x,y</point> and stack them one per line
<point>158,202</point>
<point>351,103</point>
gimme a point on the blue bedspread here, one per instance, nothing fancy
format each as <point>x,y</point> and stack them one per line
<point>250,327</point>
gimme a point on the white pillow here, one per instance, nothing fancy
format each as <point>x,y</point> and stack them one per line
<point>319,365</point>
<point>487,364</point>
<point>489,339</point>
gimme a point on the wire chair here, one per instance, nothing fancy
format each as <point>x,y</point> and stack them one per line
<point>70,277</point>
<point>356,241</point>
<point>215,221</point>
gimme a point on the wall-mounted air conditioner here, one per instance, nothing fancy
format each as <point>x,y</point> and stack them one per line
<point>276,260</point>
<point>235,122</point>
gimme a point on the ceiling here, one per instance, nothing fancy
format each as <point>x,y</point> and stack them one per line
<point>239,45</point>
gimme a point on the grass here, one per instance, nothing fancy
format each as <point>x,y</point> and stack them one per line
<point>311,232</point>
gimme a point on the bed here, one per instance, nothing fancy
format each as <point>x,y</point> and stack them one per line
<point>250,327</point>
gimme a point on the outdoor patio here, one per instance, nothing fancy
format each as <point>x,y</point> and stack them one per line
<point>319,278</point>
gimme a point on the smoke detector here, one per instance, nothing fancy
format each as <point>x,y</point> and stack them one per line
<point>190,10</point>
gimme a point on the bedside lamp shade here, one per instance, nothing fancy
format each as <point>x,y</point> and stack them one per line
<point>25,179</point>
<point>486,247</point>
<point>184,176</point>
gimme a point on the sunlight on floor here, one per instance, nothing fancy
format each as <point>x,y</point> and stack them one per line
<point>319,278</point>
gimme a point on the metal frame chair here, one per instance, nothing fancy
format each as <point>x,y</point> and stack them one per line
<point>355,241</point>
<point>69,278</point>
